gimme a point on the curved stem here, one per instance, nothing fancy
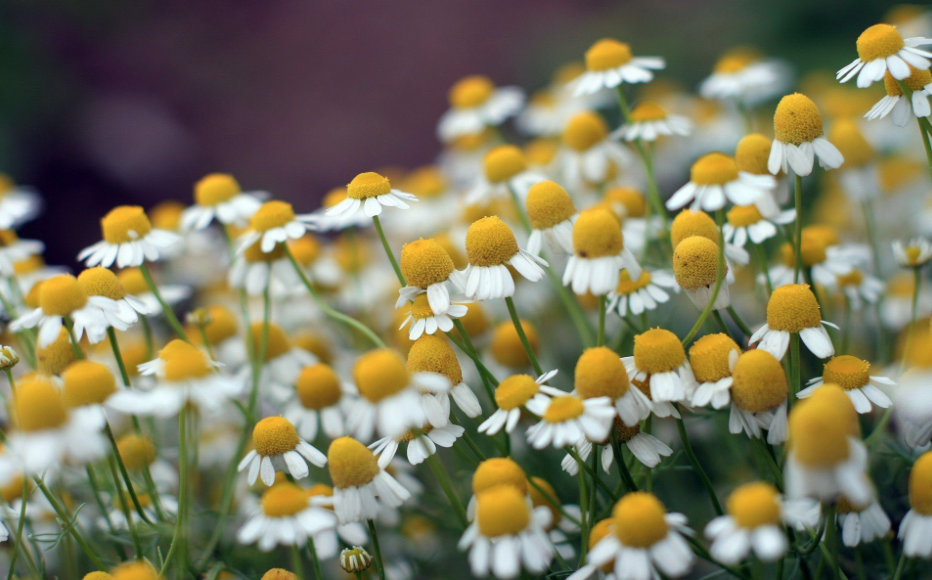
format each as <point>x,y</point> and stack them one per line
<point>524,341</point>
<point>691,455</point>
<point>169,313</point>
<point>69,324</point>
<point>739,321</point>
<point>69,522</point>
<point>388,251</point>
<point>296,565</point>
<point>440,473</point>
<point>377,552</point>
<point>178,536</point>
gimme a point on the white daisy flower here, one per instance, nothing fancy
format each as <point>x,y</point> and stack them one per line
<point>660,359</point>
<point>282,364</point>
<point>646,448</point>
<point>881,49</point>
<point>566,419</point>
<point>715,180</point>
<point>361,488</point>
<point>551,213</point>
<point>13,250</point>
<point>916,528</point>
<point>321,403</point>
<point>99,281</point>
<point>744,75</point>
<point>369,192</point>
<point>136,286</point>
<point>476,104</point>
<point>256,271</point>
<point>914,395</point>
<point>18,204</point>
<point>129,240</point>
<point>426,266</point>
<point>588,153</point>
<point>117,517</point>
<point>642,294</point>
<point>599,254</point>
<point>759,393</point>
<point>609,64</point>
<point>425,321</point>
<point>916,253</point>
<point>650,121</point>
<point>273,223</point>
<point>800,138</point>
<point>286,517</point>
<point>860,288</point>
<point>504,172</point>
<point>861,522</point>
<point>431,354</point>
<point>512,395</point>
<point>904,109</point>
<point>422,443</point>
<point>712,359</point>
<point>601,373</point>
<point>219,196</point>
<point>696,262</point>
<point>746,222</point>
<point>278,448</point>
<point>853,375</point>
<point>793,309</point>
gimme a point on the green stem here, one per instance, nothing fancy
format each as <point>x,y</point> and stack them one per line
<point>69,324</point>
<point>67,520</point>
<point>623,472</point>
<point>443,478</point>
<point>125,474</point>
<point>169,313</point>
<point>512,311</point>
<point>21,547</point>
<point>377,552</point>
<point>388,251</point>
<point>719,280</point>
<point>601,339</point>
<point>296,564</point>
<point>178,536</point>
<point>831,537</point>
<point>738,320</point>
<point>900,566</point>
<point>691,455</point>
<point>583,514</point>
<point>795,368</point>
<point>798,189</point>
<point>762,264</point>
<point>315,561</point>
<point>95,491</point>
<point>124,507</point>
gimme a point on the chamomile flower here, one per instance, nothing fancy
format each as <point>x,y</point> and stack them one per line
<point>919,82</point>
<point>281,361</point>
<point>507,349</point>
<point>285,517</point>
<point>504,170</point>
<point>853,375</point>
<point>650,121</point>
<point>861,522</point>
<point>551,213</point>
<point>426,267</point>
<point>87,383</point>
<point>860,288</point>
<point>18,204</point>
<point>425,321</point>
<point>512,395</point>
<point>714,180</point>
<point>599,254</point>
<point>643,294</point>
<point>695,268</point>
<point>256,271</point>
<point>100,281</point>
<point>167,503</point>
<point>278,448</point>
<point>63,297</point>
<point>491,247</point>
<point>881,49</point>
<point>369,192</point>
<point>758,396</point>
<point>136,286</point>
<point>915,254</point>
<point>567,419</point>
<point>272,224</point>
<point>799,138</point>
<point>13,250</point>
<point>744,75</point>
<point>507,535</point>
<point>690,223</point>
<point>914,395</point>
<point>916,528</point>
<point>476,104</point>
<point>432,354</point>
<point>129,240</point>
<point>609,64</point>
<point>793,309</point>
<point>746,222</point>
<point>588,153</point>
<point>421,443</point>
<point>218,196</point>
<point>361,488</point>
<point>858,175</point>
<point>646,448</point>
<point>829,261</point>
<point>642,542</point>
<point>543,494</point>
<point>712,358</point>
<point>321,403</point>
<point>601,373</point>
<point>660,359</point>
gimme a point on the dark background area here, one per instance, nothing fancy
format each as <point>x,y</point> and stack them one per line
<point>107,102</point>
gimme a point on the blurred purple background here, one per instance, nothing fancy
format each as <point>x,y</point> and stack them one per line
<point>118,102</point>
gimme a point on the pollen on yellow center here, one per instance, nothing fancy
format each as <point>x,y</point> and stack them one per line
<point>501,511</point>
<point>847,137</point>
<point>754,504</point>
<point>626,201</point>
<point>742,216</point>
<point>695,263</point>
<point>380,374</point>
<point>351,464</point>
<point>548,204</point>
<point>628,286</point>
<point>541,152</point>
<point>504,162</point>
<point>920,485</point>
<point>879,41</point>
<point>470,92</point>
<point>713,169</point>
<point>87,383</point>
<point>607,54</point>
<point>490,242</point>
<point>506,346</point>
<point>274,436</point>
<point>846,371</point>
<point>215,188</point>
<point>584,130</point>
<point>658,351</point>
<point>183,361</point>
<point>759,382</point>
<point>368,184</point>
<point>97,576</point>
<point>318,387</point>
<point>136,451</point>
<point>797,120</point>
<point>916,81</point>
<point>272,214</point>
<point>515,391</point>
<point>38,405</point>
<point>689,223</point>
<point>420,307</point>
<point>101,282</point>
<point>433,354</point>
<point>425,262</point>
<point>284,499</point>
<point>124,224</point>
<point>648,111</point>
<point>600,373</point>
<point>61,295</point>
<point>639,519</point>
<point>709,356</point>
<point>499,471</point>
<point>597,234</point>
<point>564,408</point>
<point>793,307</point>
<point>818,433</point>
<point>752,154</point>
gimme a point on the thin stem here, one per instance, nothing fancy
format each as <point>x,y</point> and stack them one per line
<point>124,507</point>
<point>831,537</point>
<point>600,341</point>
<point>125,474</point>
<point>117,355</point>
<point>67,520</point>
<point>443,478</point>
<point>315,561</point>
<point>798,189</point>
<point>388,251</point>
<point>379,565</point>
<point>719,280</point>
<point>519,328</point>
<point>691,455</point>
<point>19,528</point>
<point>585,522</point>
<point>78,353</point>
<point>296,565</point>
<point>623,472</point>
<point>738,320</point>
<point>95,491</point>
<point>178,536</point>
<point>900,566</point>
<point>762,264</point>
<point>169,313</point>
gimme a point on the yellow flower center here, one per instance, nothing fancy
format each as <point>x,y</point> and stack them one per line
<point>380,374</point>
<point>61,295</point>
<point>759,382</point>
<point>730,64</point>
<point>853,278</point>
<point>742,216</point>
<point>272,214</point>
<point>101,282</point>
<point>754,504</point>
<point>273,574</point>
<point>425,262</point>
<point>318,387</point>
<point>305,250</point>
<point>821,233</point>
<point>351,464</point>
<point>879,41</point>
<point>284,499</point>
<point>920,485</point>
<point>639,520</point>
<point>849,140</point>
<point>600,373</point>
<point>136,571</point>
<point>136,451</point>
<point>254,254</point>
<point>689,223</point>
<point>56,357</point>
<point>624,433</point>
<point>658,351</point>
<point>846,371</point>
<point>133,281</point>
<point>274,436</point>
<point>584,130</point>
<point>124,224</point>
<point>504,162</point>
<point>215,188</point>
<point>818,433</point>
<point>695,263</point>
<point>166,215</point>
<point>501,511</point>
<point>628,286</point>
<point>333,197</point>
<point>13,490</point>
<point>547,498</point>
<point>752,154</point>
<point>834,396</point>
<point>420,308</point>
<point>87,383</point>
<point>648,111</point>
<point>426,182</point>
<point>490,242</point>
<point>797,120</point>
<point>564,408</point>
<point>597,234</point>
<point>499,471</point>
<point>548,204</point>
<point>515,391</point>
<point>183,361</point>
<point>366,185</point>
<point>792,308</point>
<point>631,201</point>
<point>506,346</point>
<point>38,405</point>
<point>607,54</point>
<point>97,576</point>
<point>433,354</point>
<point>916,81</point>
<point>813,252</point>
<point>709,356</point>
<point>541,152</point>
<point>222,325</point>
<point>713,169</point>
<point>471,92</point>
<point>276,341</point>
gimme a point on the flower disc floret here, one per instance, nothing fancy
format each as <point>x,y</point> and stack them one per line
<point>564,408</point>
<point>61,295</point>
<point>658,351</point>
<point>100,281</point>
<point>813,252</point>
<point>215,188</point>
<point>272,214</point>
<point>548,204</point>
<point>597,234</point>
<point>879,41</point>
<point>274,436</point>
<point>276,340</point>
<point>368,184</point>
<point>133,281</point>
<point>515,391</point>
<point>284,499</point>
<point>847,137</point>
<point>759,382</point>
<point>433,354</point>
<point>846,371</point>
<point>648,111</point>
<point>695,263</point>
<point>709,357</point>
<point>425,262</point>
<point>793,307</point>
<point>124,224</point>
<point>920,485</point>
<point>600,373</point>
<point>742,216</point>
<point>318,387</point>
<point>470,92</point>
<point>639,520</point>
<point>752,153</point>
<point>499,471</point>
<point>38,405</point>
<point>754,504</point>
<point>222,325</point>
<point>607,54</point>
<point>184,362</point>
<point>351,464</point>
<point>835,397</point>
<point>628,286</point>
<point>713,169</point>
<point>87,383</point>
<point>584,130</point>
<point>633,200</point>
<point>490,242</point>
<point>501,511</point>
<point>916,81</point>
<point>797,120</point>
<point>506,346</point>
<point>689,223</point>
<point>380,374</point>
<point>504,162</point>
<point>136,571</point>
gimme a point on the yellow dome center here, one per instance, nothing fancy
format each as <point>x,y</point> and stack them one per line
<point>916,81</point>
<point>849,140</point>
<point>124,224</point>
<point>835,397</point>
<point>272,214</point>
<point>639,519</point>
<point>742,216</point>
<point>499,471</point>
<point>501,511</point>
<point>433,354</point>
<point>846,506</point>
<point>813,252</point>
<point>97,576</point>
<point>222,325</point>
<point>87,383</point>
<point>752,154</point>
<point>490,242</point>
<point>793,307</point>
<point>379,374</point>
<point>506,346</point>
<point>564,408</point>
<point>713,169</point>
<point>277,342</point>
<point>628,286</point>
<point>133,281</point>
<point>759,382</point>
<point>351,464</point>
<point>283,500</point>
<point>426,182</point>
<point>101,282</point>
<point>504,162</point>
<point>607,54</point>
<point>215,188</point>
<point>797,120</point>
<point>695,263</point>
<point>754,504</point>
<point>597,234</point>
<point>920,485</point>
<point>38,406</point>
<point>541,152</point>
<point>879,41</point>
<point>600,373</point>
<point>136,571</point>
<point>318,387</point>
<point>818,433</point>
<point>853,278</point>
<point>56,357</point>
<point>626,201</point>
<point>305,250</point>
<point>584,130</point>
<point>184,362</point>
<point>547,498</point>
<point>166,215</point>
<point>471,92</point>
<point>648,111</point>
<point>515,391</point>
<point>274,436</point>
<point>658,351</point>
<point>846,371</point>
<point>425,262</point>
<point>689,223</point>
<point>136,451</point>
<point>709,356</point>
<point>548,204</point>
<point>61,295</point>
<point>420,308</point>
<point>369,184</point>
